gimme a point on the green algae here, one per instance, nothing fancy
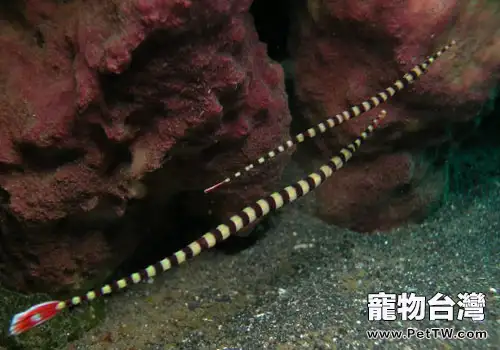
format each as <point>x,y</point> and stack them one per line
<point>51,335</point>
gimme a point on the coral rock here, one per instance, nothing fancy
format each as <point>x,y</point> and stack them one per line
<point>346,51</point>
<point>381,194</point>
<point>112,108</point>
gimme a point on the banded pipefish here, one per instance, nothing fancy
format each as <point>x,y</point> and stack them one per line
<point>43,312</point>
<point>352,112</point>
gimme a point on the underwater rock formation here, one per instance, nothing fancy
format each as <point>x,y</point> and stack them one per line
<point>346,50</point>
<point>111,109</point>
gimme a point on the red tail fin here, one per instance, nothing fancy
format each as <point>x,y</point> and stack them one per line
<point>34,316</point>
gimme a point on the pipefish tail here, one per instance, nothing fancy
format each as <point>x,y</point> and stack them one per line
<point>354,111</point>
<point>43,312</point>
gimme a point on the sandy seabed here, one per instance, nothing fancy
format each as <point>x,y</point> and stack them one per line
<point>304,285</point>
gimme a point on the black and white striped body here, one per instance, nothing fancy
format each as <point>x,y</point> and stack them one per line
<point>42,312</point>
<point>338,119</point>
<point>236,222</point>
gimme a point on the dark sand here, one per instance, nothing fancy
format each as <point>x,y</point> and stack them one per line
<point>305,284</point>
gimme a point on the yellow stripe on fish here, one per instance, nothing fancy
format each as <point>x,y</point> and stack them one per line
<point>40,313</point>
<point>338,119</point>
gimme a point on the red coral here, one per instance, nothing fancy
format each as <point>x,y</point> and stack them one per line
<point>349,50</point>
<point>96,95</point>
<point>381,194</point>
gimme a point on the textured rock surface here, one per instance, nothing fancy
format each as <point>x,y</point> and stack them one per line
<point>101,100</point>
<point>346,51</point>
